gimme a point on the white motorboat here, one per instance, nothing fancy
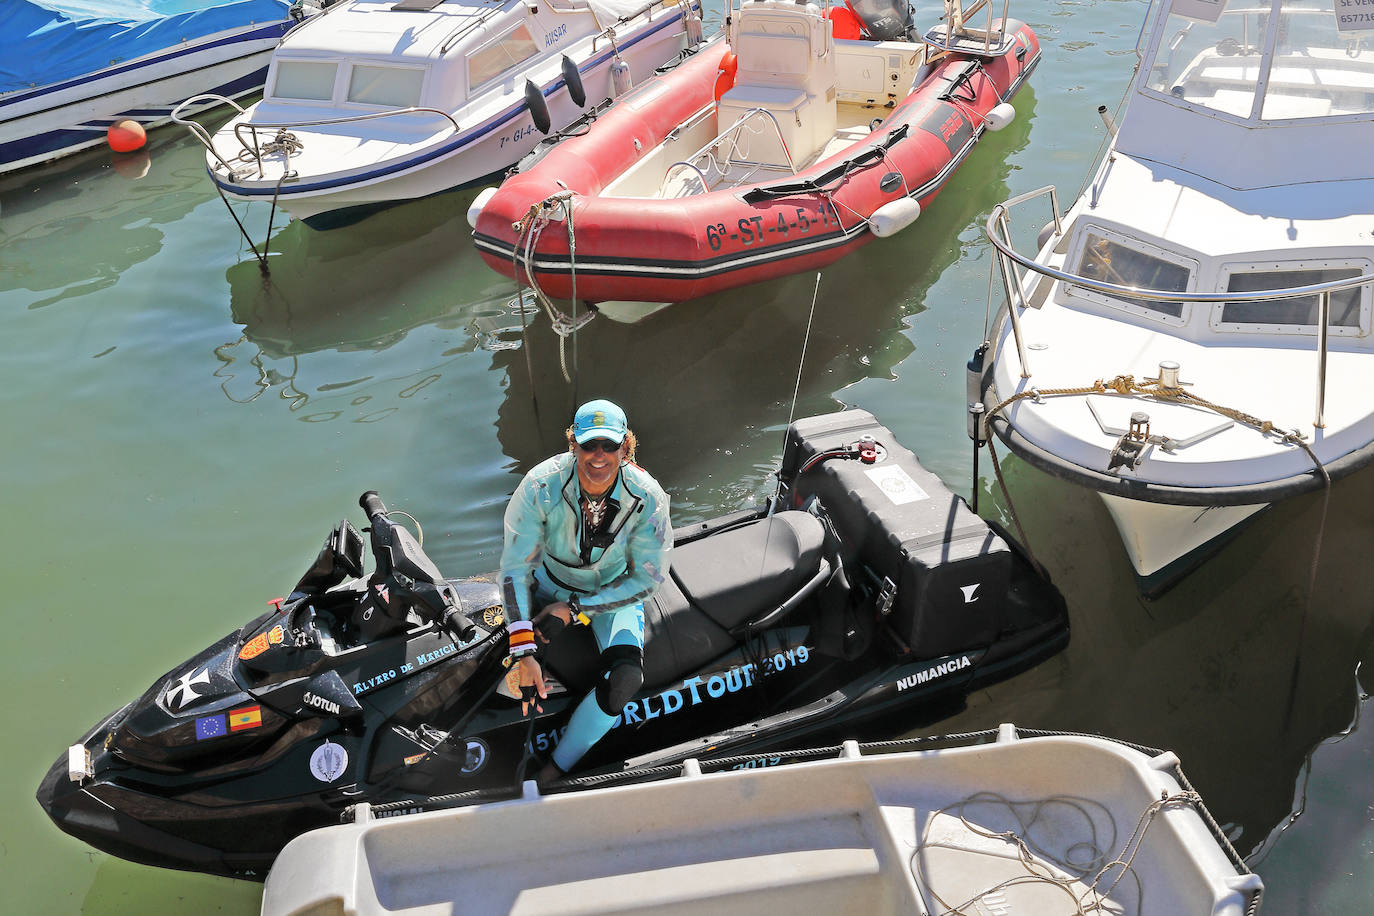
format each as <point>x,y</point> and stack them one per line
<point>380,101</point>
<point>69,70</point>
<point>1192,339</point>
<point>1044,824</point>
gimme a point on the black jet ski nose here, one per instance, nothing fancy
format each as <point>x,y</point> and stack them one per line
<point>72,808</point>
<point>96,812</point>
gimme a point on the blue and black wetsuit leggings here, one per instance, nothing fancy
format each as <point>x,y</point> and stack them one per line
<point>620,638</point>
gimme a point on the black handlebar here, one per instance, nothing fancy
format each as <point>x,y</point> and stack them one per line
<point>372,504</point>
<point>414,580</point>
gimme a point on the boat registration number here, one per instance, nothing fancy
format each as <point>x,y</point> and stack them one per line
<point>519,134</point>
<point>754,229</point>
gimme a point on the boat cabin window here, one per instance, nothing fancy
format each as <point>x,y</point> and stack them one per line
<point>305,79</point>
<point>1128,264</point>
<point>1319,70</point>
<point>395,87</point>
<point>1349,307</point>
<point>487,63</point>
<point>1317,67</point>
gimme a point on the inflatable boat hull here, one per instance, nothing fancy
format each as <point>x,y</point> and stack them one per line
<point>596,247</point>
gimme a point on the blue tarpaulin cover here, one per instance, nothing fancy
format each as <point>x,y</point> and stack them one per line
<point>49,41</point>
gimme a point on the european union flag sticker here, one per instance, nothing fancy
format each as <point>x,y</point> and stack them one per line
<point>210,727</point>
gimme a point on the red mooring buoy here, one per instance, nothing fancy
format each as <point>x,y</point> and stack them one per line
<point>126,136</point>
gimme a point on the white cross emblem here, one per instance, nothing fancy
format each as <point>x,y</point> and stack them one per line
<point>181,693</point>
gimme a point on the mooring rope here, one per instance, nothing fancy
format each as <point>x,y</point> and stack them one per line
<point>529,228</point>
<point>1127,385</point>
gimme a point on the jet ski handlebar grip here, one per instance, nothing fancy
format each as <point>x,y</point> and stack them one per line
<point>372,504</point>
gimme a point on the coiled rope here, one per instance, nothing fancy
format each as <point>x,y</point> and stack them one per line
<point>1034,857</point>
<point>284,142</point>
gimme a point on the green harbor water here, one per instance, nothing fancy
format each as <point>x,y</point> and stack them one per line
<point>180,432</point>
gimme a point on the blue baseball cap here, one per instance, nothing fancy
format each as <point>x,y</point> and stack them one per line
<point>599,419</point>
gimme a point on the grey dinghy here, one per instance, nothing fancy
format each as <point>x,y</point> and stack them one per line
<point>1056,824</point>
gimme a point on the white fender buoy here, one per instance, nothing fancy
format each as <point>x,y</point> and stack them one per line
<point>1001,115</point>
<point>695,31</point>
<point>622,81</point>
<point>480,201</point>
<point>894,216</point>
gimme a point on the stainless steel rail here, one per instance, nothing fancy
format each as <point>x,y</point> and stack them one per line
<point>201,134</point>
<point>997,230</point>
<point>254,127</point>
<point>720,154</point>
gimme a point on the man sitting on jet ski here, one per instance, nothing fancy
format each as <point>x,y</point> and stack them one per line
<point>587,540</point>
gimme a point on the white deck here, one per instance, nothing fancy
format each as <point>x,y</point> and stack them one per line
<point>424,100</point>
<point>876,834</point>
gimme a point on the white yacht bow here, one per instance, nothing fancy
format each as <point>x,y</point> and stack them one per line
<point>1193,339</point>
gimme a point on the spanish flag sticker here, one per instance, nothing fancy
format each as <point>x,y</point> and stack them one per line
<point>247,717</point>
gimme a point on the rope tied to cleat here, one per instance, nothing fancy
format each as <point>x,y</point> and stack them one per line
<point>529,228</point>
<point>1128,386</point>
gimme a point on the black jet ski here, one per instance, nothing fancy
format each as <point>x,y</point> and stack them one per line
<point>867,588</point>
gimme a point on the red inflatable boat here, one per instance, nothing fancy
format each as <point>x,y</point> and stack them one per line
<point>778,152</point>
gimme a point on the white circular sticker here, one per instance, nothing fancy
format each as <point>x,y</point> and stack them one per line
<point>328,762</point>
<point>476,757</point>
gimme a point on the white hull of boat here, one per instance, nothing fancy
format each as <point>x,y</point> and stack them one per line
<point>1157,535</point>
<point>50,122</point>
<point>480,154</point>
<point>911,833</point>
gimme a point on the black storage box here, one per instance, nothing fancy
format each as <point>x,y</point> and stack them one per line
<point>893,516</point>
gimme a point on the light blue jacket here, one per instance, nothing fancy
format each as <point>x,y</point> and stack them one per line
<point>543,539</point>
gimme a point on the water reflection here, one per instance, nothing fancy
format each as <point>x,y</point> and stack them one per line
<point>316,327</point>
<point>113,209</point>
<point>361,289</point>
<point>1207,669</point>
<point>1315,860</point>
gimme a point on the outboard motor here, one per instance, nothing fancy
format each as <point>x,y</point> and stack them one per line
<point>883,20</point>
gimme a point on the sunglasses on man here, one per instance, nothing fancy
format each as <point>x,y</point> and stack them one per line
<point>603,445</point>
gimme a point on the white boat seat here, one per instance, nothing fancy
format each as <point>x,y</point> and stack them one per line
<point>773,98</point>
<point>764,57</point>
<point>785,57</point>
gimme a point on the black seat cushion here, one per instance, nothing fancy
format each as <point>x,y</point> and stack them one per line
<point>745,572</point>
<point>716,583</point>
<point>678,639</point>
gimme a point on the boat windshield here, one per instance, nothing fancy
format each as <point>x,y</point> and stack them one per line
<point>1275,60</point>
